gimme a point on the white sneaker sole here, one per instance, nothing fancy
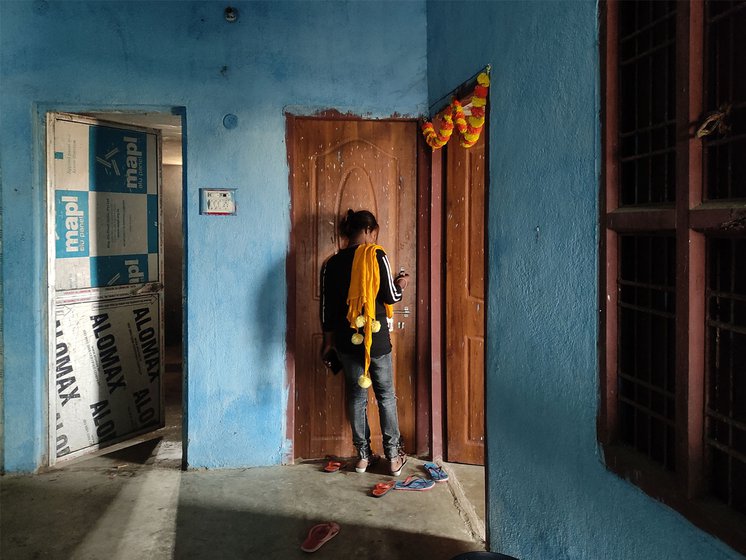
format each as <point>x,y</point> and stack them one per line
<point>371,461</point>
<point>397,473</point>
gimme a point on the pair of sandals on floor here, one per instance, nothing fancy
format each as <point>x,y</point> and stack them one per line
<point>437,474</point>
<point>416,483</point>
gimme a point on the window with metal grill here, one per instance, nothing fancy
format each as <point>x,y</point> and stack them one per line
<point>647,306</point>
<point>673,256</point>
<point>726,370</point>
<point>725,75</point>
<point>647,120</point>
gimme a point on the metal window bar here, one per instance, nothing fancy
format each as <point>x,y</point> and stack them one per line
<point>648,137</point>
<point>662,391</point>
<point>648,285</point>
<point>651,93</point>
<point>724,294</point>
<point>647,53</point>
<point>725,141</point>
<point>727,450</point>
<point>642,29</point>
<point>671,75</point>
<point>726,49</point>
<point>725,433</point>
<point>646,289</point>
<point>652,128</point>
<point>647,310</point>
<point>648,412</point>
<point>727,327</point>
<point>726,419</point>
<point>722,15</point>
<point>647,155</point>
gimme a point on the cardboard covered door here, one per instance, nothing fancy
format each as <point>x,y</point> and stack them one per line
<point>105,283</point>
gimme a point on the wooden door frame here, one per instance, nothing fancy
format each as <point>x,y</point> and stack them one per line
<point>437,302</point>
<point>437,278</point>
<point>425,379</point>
<point>430,281</point>
<point>436,266</point>
<point>437,298</point>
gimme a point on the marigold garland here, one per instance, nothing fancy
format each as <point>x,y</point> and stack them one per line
<point>440,138</point>
<point>470,128</point>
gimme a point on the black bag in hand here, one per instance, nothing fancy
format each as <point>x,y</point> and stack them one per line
<point>331,360</point>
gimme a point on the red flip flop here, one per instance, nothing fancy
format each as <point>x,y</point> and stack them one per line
<point>318,535</point>
<point>333,466</point>
<point>382,487</point>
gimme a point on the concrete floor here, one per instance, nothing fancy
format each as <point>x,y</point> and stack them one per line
<point>132,509</point>
<point>136,503</point>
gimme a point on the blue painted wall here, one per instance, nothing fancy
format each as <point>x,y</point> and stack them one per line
<point>365,57</point>
<point>549,495</point>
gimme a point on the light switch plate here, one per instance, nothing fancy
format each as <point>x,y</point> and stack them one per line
<point>217,202</point>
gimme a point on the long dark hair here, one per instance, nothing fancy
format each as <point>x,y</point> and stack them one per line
<point>355,222</point>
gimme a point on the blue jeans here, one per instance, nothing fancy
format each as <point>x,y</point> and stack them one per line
<point>382,375</point>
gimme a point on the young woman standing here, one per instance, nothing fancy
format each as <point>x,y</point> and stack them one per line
<point>357,290</point>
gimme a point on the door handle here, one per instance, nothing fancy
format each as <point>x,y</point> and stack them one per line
<point>404,311</point>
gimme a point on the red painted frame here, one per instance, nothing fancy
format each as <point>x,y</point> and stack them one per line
<point>686,490</point>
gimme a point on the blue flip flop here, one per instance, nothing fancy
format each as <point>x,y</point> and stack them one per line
<point>436,472</point>
<point>414,483</point>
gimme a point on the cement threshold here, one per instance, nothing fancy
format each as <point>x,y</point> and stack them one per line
<point>117,508</point>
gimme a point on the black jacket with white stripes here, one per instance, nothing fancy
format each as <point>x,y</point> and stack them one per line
<point>335,283</point>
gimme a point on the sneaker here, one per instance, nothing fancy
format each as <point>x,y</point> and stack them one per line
<point>397,463</point>
<point>364,462</point>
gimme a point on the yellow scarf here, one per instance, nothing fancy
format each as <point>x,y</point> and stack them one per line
<point>361,298</point>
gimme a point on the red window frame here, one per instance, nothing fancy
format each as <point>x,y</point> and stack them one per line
<point>691,217</point>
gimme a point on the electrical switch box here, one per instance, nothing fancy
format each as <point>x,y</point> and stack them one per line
<point>217,202</point>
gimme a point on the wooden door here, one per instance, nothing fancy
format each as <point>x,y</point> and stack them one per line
<point>464,321</point>
<point>336,165</point>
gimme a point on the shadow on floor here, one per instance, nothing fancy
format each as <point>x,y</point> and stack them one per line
<point>121,507</point>
<point>224,533</point>
<point>134,502</point>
